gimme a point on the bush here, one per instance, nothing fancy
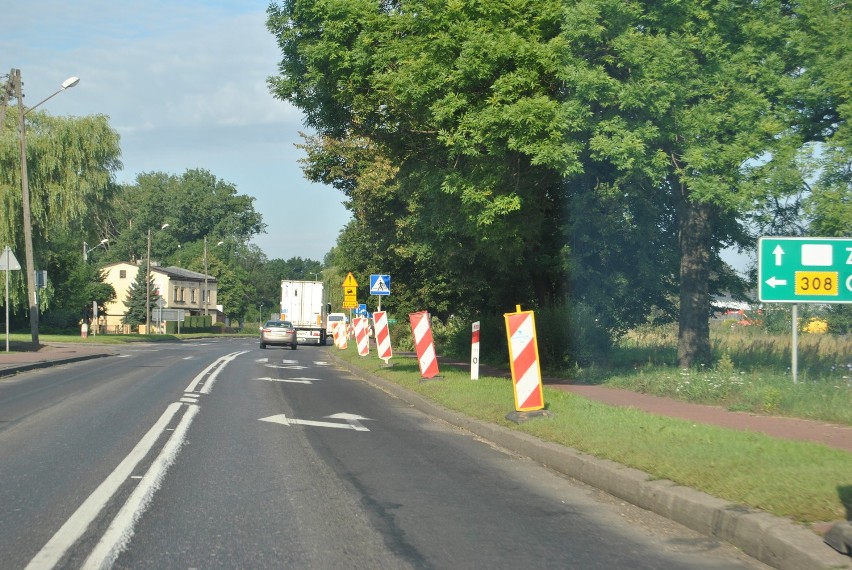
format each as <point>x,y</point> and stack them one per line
<point>60,321</point>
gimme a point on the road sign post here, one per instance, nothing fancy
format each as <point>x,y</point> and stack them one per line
<point>380,285</point>
<point>350,292</point>
<point>803,270</point>
<point>8,262</point>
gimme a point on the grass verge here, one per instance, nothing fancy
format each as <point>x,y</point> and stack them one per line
<point>803,481</point>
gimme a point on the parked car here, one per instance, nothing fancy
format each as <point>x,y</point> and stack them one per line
<point>278,332</point>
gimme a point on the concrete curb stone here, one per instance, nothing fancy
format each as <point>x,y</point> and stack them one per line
<point>24,367</point>
<point>775,541</point>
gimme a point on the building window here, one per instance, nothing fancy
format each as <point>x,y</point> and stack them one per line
<point>176,294</point>
<point>192,296</point>
<point>122,274</point>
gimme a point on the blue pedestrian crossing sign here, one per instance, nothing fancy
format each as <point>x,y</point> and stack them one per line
<point>380,284</point>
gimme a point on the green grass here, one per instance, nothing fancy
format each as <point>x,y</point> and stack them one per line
<point>803,481</point>
<point>751,372</point>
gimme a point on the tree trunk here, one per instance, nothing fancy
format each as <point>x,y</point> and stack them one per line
<point>693,346</point>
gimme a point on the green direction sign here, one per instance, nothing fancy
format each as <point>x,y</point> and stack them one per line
<point>804,270</point>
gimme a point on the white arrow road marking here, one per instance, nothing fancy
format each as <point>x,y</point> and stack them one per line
<point>772,282</point>
<point>262,360</point>
<point>292,380</point>
<point>320,363</point>
<point>352,421</point>
<point>285,367</point>
<point>778,252</point>
<point>285,361</point>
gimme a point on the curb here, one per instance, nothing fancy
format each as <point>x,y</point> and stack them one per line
<point>775,541</point>
<point>12,370</point>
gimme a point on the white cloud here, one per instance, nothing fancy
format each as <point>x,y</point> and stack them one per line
<point>184,84</point>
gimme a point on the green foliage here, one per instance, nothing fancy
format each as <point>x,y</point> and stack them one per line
<point>530,151</point>
<point>71,163</point>
<point>138,307</point>
<point>839,318</point>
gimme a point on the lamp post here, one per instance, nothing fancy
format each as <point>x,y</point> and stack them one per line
<point>87,249</point>
<point>206,289</point>
<point>148,283</point>
<point>25,196</point>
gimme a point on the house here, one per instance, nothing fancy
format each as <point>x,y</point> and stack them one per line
<point>178,288</point>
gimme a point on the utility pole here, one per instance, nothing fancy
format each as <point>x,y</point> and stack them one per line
<point>206,290</point>
<point>25,203</point>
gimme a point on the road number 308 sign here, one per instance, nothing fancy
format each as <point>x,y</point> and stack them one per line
<point>805,270</point>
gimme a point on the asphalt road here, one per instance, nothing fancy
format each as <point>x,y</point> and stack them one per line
<point>221,455</point>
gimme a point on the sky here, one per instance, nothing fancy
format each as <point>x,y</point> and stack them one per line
<point>184,85</point>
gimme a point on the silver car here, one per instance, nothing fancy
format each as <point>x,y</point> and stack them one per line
<point>278,332</point>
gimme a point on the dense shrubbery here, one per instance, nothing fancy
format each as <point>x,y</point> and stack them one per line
<point>566,334</point>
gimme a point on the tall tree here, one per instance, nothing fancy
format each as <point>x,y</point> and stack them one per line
<point>71,164</point>
<point>195,204</point>
<point>508,122</point>
<point>441,125</point>
<point>138,301</point>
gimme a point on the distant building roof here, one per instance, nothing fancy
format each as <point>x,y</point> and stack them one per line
<point>171,271</point>
<point>180,273</point>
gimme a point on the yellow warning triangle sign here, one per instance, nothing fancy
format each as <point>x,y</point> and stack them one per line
<point>350,281</point>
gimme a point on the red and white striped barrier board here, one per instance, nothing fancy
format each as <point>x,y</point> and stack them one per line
<point>341,335</point>
<point>523,356</point>
<point>421,328</point>
<point>474,352</point>
<point>383,342</point>
<point>362,337</point>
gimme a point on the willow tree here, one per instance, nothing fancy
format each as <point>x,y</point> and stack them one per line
<point>71,164</point>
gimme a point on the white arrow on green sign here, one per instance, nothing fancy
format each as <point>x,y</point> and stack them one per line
<point>804,270</point>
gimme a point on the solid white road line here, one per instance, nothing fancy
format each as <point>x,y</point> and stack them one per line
<point>119,533</point>
<point>77,524</point>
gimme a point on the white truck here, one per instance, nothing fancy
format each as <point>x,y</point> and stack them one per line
<point>303,304</point>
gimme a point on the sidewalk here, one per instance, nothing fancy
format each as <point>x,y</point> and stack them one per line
<point>23,359</point>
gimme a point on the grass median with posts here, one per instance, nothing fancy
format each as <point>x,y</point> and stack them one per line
<point>807,482</point>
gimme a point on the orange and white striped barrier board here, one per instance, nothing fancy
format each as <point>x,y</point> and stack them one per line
<point>341,336</point>
<point>523,356</point>
<point>383,341</point>
<point>474,352</point>
<point>362,338</point>
<point>421,328</point>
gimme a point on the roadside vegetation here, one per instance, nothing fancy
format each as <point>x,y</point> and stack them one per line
<point>750,369</point>
<point>806,482</point>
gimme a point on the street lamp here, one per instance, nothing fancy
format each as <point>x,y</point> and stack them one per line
<point>148,284</point>
<point>25,196</point>
<point>87,249</point>
<point>206,290</point>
